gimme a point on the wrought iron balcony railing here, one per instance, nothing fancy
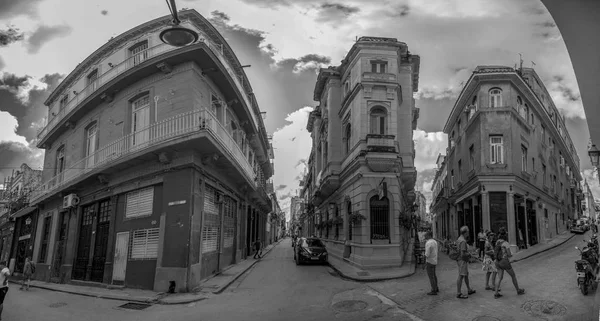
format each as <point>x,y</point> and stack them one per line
<point>157,133</point>
<point>134,61</point>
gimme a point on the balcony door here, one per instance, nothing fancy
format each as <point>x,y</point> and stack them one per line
<point>138,53</point>
<point>92,82</point>
<point>140,121</point>
<point>91,146</point>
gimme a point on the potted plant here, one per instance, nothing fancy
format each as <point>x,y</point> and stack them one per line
<point>328,223</point>
<point>356,218</point>
<point>338,220</point>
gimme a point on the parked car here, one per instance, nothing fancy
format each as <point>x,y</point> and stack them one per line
<point>578,227</point>
<point>310,250</point>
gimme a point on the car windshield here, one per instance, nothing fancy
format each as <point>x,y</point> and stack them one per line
<point>313,243</point>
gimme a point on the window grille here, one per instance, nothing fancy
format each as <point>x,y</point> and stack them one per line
<point>380,218</point>
<point>144,244</point>
<point>139,203</point>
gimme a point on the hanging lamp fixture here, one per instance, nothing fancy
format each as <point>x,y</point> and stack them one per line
<point>177,36</point>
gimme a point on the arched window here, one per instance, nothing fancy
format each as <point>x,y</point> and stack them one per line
<point>346,87</point>
<point>495,97</point>
<point>380,218</point>
<point>378,121</point>
<point>526,112</point>
<point>348,137</point>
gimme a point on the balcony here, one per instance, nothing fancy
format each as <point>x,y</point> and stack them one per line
<point>328,182</point>
<point>183,130</point>
<point>381,143</point>
<point>379,77</point>
<point>144,64</point>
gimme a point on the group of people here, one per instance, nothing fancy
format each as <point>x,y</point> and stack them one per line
<point>28,271</point>
<point>496,261</point>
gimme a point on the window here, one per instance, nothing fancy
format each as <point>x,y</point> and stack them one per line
<point>458,127</point>
<point>138,53</point>
<point>495,98</point>
<point>553,183</point>
<point>378,121</point>
<point>474,102</point>
<point>379,66</point>
<point>544,171</point>
<point>472,157</point>
<point>346,87</point>
<point>91,145</point>
<point>139,203</point>
<point>92,81</point>
<point>380,218</point>
<point>523,158</point>
<point>543,133</point>
<point>496,150</point>
<point>348,137</point>
<point>45,239</point>
<point>216,107</point>
<point>144,244</point>
<point>63,102</point>
<point>60,160</point>
<point>452,178</point>
<point>460,171</point>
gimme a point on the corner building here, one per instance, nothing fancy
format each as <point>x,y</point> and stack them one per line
<point>363,149</point>
<point>510,160</point>
<point>156,164</point>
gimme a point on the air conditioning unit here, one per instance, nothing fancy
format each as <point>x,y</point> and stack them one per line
<point>70,200</point>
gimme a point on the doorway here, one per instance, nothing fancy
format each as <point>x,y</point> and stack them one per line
<point>92,242</point>
<point>140,121</point>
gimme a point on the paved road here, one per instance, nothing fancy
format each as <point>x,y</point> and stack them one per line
<point>277,289</point>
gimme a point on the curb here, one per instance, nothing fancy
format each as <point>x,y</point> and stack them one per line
<point>99,296</point>
<point>544,250</point>
<point>371,280</point>
<point>221,289</point>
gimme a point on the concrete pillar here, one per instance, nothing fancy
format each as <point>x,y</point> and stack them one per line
<point>511,220</point>
<point>485,210</point>
<point>526,223</point>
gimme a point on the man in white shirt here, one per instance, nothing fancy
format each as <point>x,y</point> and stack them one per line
<point>4,274</point>
<point>431,258</point>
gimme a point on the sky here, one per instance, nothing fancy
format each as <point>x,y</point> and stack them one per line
<point>286,41</point>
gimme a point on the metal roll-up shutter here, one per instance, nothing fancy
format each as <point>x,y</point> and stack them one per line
<point>211,228</point>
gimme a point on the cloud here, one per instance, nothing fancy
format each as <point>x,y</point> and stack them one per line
<point>288,157</point>
<point>335,12</point>
<point>308,62</point>
<point>25,102</point>
<point>44,34</point>
<point>104,12</point>
<point>592,179</point>
<point>14,154</point>
<point>9,36</point>
<point>428,146</point>
<point>9,9</point>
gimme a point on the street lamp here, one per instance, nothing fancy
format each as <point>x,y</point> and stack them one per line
<point>177,36</point>
<point>594,153</point>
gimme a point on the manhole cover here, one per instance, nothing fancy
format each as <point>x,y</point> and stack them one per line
<point>57,305</point>
<point>486,318</point>
<point>350,306</point>
<point>540,308</point>
<point>134,306</point>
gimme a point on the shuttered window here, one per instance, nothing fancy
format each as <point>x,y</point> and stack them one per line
<point>139,203</point>
<point>210,231</point>
<point>144,244</point>
<point>229,211</point>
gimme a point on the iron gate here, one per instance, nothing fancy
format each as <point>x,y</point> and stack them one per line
<point>380,218</point>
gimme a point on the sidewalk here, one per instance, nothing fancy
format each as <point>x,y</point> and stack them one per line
<point>214,285</point>
<point>349,271</point>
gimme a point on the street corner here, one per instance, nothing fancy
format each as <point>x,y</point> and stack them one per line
<point>364,303</point>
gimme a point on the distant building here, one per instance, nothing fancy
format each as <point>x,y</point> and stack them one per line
<point>421,201</point>
<point>361,164</point>
<point>440,207</point>
<point>510,160</point>
<point>588,203</point>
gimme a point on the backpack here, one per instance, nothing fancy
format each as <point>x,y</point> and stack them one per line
<point>499,251</point>
<point>32,265</point>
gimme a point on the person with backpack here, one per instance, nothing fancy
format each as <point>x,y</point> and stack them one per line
<point>28,271</point>
<point>489,262</point>
<point>503,254</point>
<point>462,256</point>
<point>257,248</point>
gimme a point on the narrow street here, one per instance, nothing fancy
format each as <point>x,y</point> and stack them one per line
<point>277,289</point>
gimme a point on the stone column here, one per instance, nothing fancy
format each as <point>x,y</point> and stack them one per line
<point>485,211</point>
<point>526,223</point>
<point>512,237</point>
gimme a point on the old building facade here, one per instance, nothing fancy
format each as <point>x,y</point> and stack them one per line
<point>510,160</point>
<point>156,163</point>
<point>361,174</point>
<point>588,202</point>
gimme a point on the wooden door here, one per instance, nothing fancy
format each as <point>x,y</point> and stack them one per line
<point>84,243</point>
<point>101,243</point>
<point>120,262</point>
<point>141,121</point>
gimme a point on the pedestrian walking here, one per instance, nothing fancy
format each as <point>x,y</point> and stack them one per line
<point>431,259</point>
<point>503,255</point>
<point>4,274</point>
<point>257,248</point>
<point>489,262</point>
<point>463,263</point>
<point>28,271</point>
<point>481,237</point>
